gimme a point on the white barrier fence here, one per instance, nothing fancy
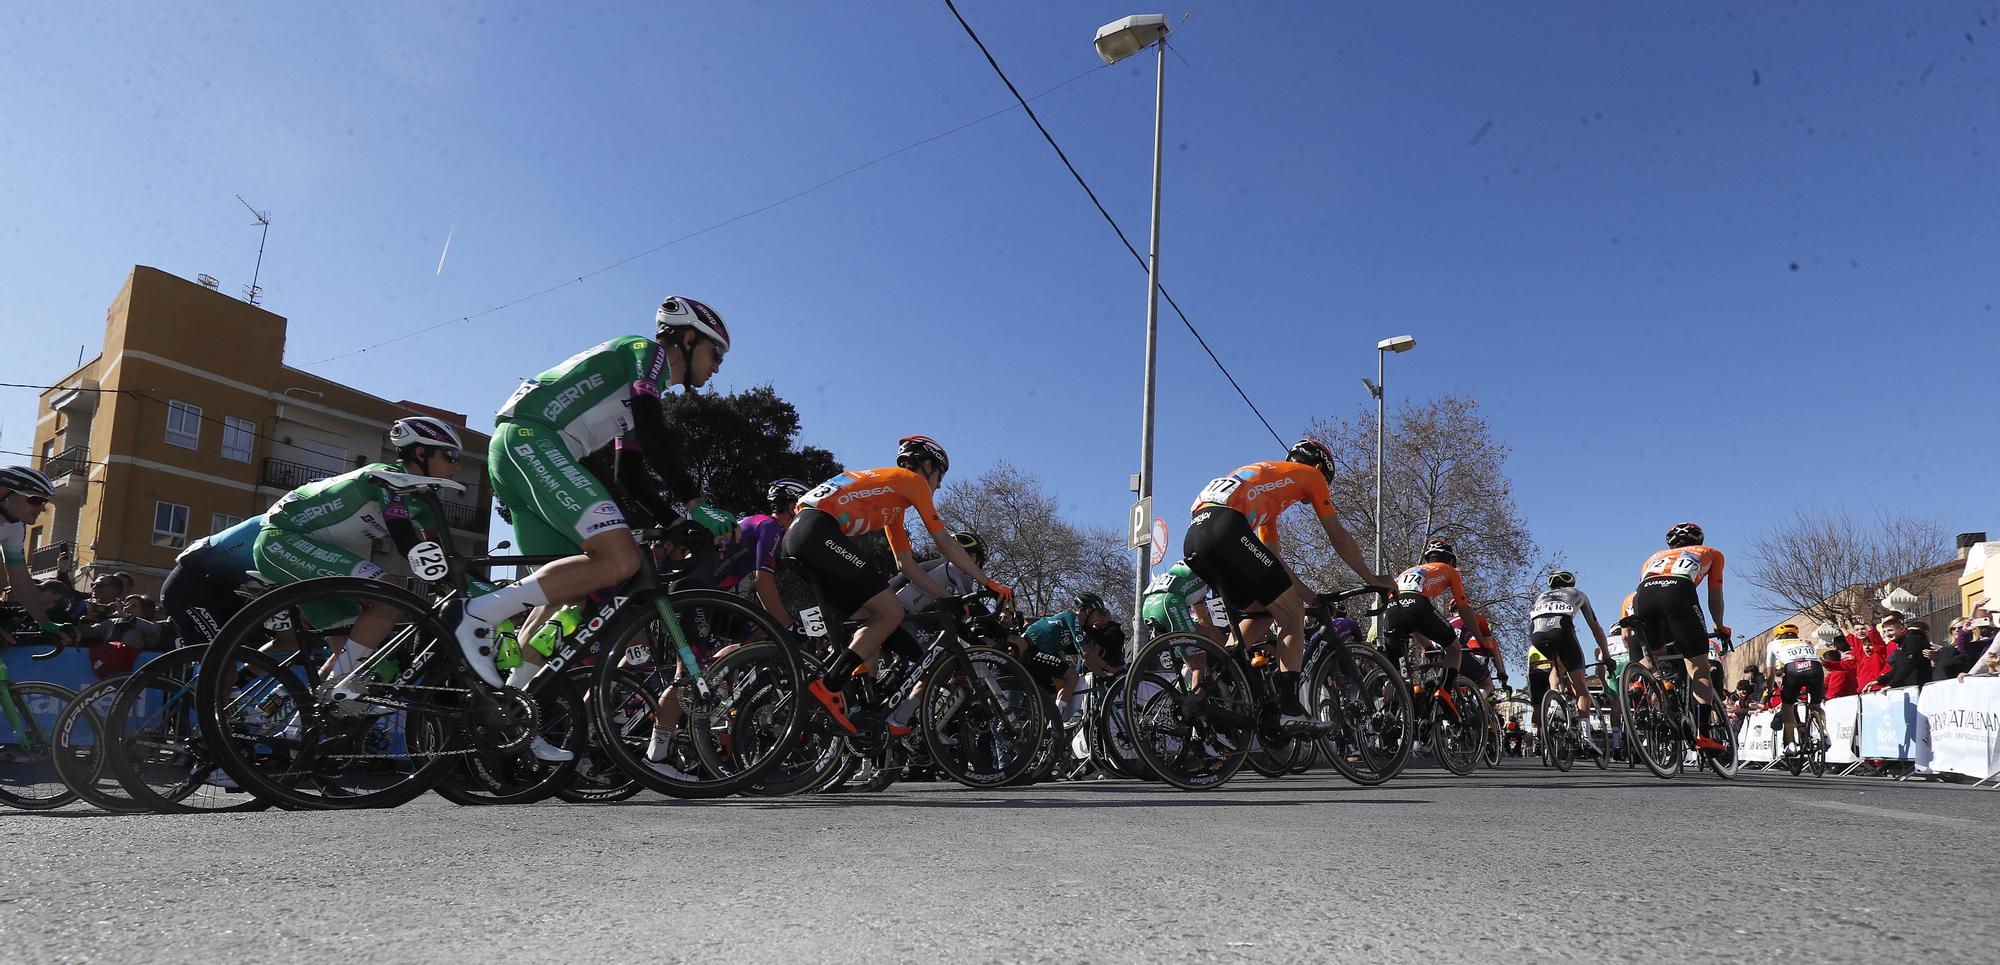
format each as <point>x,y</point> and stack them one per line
<point>1952,726</point>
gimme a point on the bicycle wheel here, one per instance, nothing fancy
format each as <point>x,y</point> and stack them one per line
<point>1557,731</point>
<point>1192,730</point>
<point>1111,745</point>
<point>1652,731</point>
<point>1725,763</point>
<point>156,750</point>
<point>81,752</point>
<point>982,717</point>
<point>552,709</point>
<point>759,700</point>
<point>28,778</point>
<point>639,642</point>
<point>1490,751</point>
<point>1458,728</point>
<point>275,728</point>
<point>597,777</point>
<point>1816,733</point>
<point>1375,733</point>
<point>1597,732</point>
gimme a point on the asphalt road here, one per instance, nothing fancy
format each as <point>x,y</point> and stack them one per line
<point>1519,864</point>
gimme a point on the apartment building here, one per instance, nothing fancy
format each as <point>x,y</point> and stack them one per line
<point>189,421</point>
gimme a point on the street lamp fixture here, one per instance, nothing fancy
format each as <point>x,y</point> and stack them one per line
<point>1120,39</point>
<point>1401,343</point>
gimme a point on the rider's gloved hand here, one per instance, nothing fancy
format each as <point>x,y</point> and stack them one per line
<point>62,631</point>
<point>1003,591</point>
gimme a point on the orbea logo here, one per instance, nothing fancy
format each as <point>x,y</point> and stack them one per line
<point>1269,486</point>
<point>846,498</point>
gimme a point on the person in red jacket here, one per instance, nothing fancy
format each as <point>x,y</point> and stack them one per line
<point>1839,674</point>
<point>1871,652</point>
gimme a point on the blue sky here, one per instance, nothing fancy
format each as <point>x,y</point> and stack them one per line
<point>1697,262</point>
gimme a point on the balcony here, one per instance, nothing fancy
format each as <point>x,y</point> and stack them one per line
<point>44,559</point>
<point>79,400</point>
<point>291,475</point>
<point>68,467</point>
<point>464,517</point>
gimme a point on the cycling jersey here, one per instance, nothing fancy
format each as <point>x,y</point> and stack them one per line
<point>1262,490</point>
<point>752,547</point>
<point>1173,597</point>
<point>1691,563</point>
<point>12,543</point>
<point>1558,608</point>
<point>1432,579</point>
<point>1790,651</point>
<point>587,398</point>
<point>1535,659</point>
<point>951,577</point>
<point>1058,634</point>
<point>227,556</point>
<point>350,511</point>
<point>865,500</point>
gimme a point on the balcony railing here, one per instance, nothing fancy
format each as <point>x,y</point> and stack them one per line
<point>463,516</point>
<point>75,459</point>
<point>292,475</point>
<point>45,557</point>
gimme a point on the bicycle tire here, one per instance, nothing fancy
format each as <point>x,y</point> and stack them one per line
<point>1652,735</point>
<point>518,777</point>
<point>1374,741</point>
<point>1459,743</point>
<point>1490,750</point>
<point>313,757</point>
<point>633,627</point>
<point>597,779</point>
<point>28,778</point>
<point>1111,741</point>
<point>156,748</point>
<point>982,717</point>
<point>1816,732</point>
<point>1556,732</point>
<point>1192,740</point>
<point>82,753</point>
<point>819,751</point>
<point>1723,767</point>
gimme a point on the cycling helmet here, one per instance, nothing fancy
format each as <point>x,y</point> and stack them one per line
<point>1560,579</point>
<point>1311,453</point>
<point>784,493</point>
<point>913,450</point>
<point>1787,630</point>
<point>1087,601</point>
<point>974,545</point>
<point>1439,551</point>
<point>423,430</point>
<point>27,482</point>
<point>677,312</point>
<point>1684,534</point>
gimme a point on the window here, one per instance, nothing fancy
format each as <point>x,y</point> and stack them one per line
<point>184,424</point>
<point>170,525</point>
<point>237,435</point>
<point>221,521</point>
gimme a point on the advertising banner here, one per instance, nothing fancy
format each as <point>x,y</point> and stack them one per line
<point>1889,724</point>
<point>1963,718</point>
<point>1843,730</point>
<point>1754,743</point>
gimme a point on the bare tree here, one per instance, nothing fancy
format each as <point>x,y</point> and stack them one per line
<point>1820,561</point>
<point>1446,477</point>
<point>1030,547</point>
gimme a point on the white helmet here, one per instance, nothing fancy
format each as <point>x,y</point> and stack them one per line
<point>678,312</point>
<point>423,430</point>
<point>27,482</point>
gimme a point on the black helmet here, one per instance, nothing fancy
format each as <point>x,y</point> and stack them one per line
<point>784,493</point>
<point>1088,601</point>
<point>1439,551</point>
<point>1560,579</point>
<point>1310,452</point>
<point>974,545</point>
<point>27,482</point>
<point>1684,534</point>
<point>912,450</point>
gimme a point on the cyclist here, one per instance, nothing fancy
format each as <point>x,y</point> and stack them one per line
<point>1232,543</point>
<point>24,493</point>
<point>1667,609</point>
<point>862,501</point>
<point>749,550</point>
<point>1552,630</point>
<point>598,398</point>
<point>1177,602</point>
<point>1411,612</point>
<point>1054,643</point>
<point>914,600</point>
<point>1480,660</point>
<point>1803,678</point>
<point>199,594</point>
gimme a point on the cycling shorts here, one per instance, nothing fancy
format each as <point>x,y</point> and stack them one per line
<point>1802,679</point>
<point>1226,554</point>
<point>1560,645</point>
<point>198,603</point>
<point>556,503</point>
<point>287,557</point>
<point>1409,613</point>
<point>1472,664</point>
<point>839,574</point>
<point>1668,612</point>
<point>1538,684</point>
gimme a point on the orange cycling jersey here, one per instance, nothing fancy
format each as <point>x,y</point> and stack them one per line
<point>1690,563</point>
<point>1262,490</point>
<point>1626,610</point>
<point>865,500</point>
<point>1431,579</point>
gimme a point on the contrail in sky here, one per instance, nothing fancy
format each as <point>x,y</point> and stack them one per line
<point>446,251</point>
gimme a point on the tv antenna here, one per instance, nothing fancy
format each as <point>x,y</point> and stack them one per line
<point>253,293</point>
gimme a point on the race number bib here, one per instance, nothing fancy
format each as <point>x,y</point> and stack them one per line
<point>279,621</point>
<point>820,492</point>
<point>1412,581</point>
<point>813,623</point>
<point>1554,608</point>
<point>1218,490</point>
<point>427,561</point>
<point>1683,565</point>
<point>1161,583</point>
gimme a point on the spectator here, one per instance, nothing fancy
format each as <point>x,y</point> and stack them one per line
<point>1984,625</point>
<point>1839,672</point>
<point>1910,663</point>
<point>1871,651</point>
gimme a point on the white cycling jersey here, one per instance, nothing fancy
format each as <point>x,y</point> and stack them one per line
<point>1786,651</point>
<point>13,538</point>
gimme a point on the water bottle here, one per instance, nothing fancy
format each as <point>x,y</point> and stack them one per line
<point>562,624</point>
<point>508,655</point>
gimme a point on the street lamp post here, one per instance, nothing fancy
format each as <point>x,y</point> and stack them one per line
<point>1116,41</point>
<point>1401,343</point>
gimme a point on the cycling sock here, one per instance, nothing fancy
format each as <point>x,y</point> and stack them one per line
<point>843,668</point>
<point>901,715</point>
<point>507,600</point>
<point>1288,693</point>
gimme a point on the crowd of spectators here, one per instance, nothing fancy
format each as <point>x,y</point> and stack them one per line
<point>113,622</point>
<point>1897,651</point>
